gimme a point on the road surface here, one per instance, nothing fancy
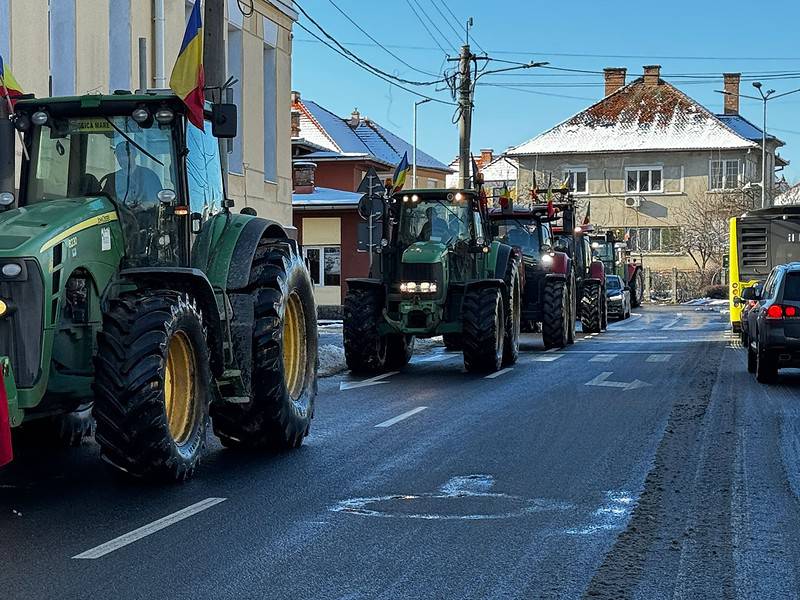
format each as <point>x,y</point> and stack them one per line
<point>640,463</point>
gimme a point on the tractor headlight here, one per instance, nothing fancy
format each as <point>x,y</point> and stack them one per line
<point>3,308</point>
<point>547,259</point>
<point>615,297</point>
<point>11,270</point>
<point>422,287</point>
<point>40,118</point>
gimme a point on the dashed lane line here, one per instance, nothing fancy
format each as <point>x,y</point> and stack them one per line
<point>603,358</point>
<point>543,357</point>
<point>403,417</point>
<point>149,529</point>
<point>377,380</point>
<point>658,358</point>
<point>498,373</point>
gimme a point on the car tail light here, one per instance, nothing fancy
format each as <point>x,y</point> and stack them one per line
<point>776,311</point>
<point>790,311</point>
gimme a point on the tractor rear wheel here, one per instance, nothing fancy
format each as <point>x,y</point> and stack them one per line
<point>591,307</point>
<point>557,314</point>
<point>452,341</point>
<point>573,309</point>
<point>512,307</point>
<point>283,375</point>
<point>365,350</point>
<point>152,385</point>
<point>399,350</point>
<point>637,288</point>
<point>483,324</point>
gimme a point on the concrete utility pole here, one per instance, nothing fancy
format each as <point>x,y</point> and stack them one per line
<point>465,118</point>
<point>214,64</point>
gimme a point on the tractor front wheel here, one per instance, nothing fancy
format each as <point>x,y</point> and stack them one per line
<point>283,360</point>
<point>399,350</point>
<point>484,330</point>
<point>591,307</point>
<point>557,314</point>
<point>365,350</point>
<point>152,385</point>
<point>452,341</point>
<point>512,307</point>
<point>637,288</point>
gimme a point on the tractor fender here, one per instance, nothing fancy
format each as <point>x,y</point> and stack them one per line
<point>365,283</point>
<point>194,282</point>
<point>240,261</point>
<point>561,264</point>
<point>477,284</point>
<point>597,270</point>
<point>502,257</point>
<point>632,268</point>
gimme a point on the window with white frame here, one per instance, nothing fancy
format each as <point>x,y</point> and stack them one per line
<point>644,179</point>
<point>324,264</point>
<point>270,100</point>
<point>723,174</point>
<point>576,179</point>
<point>654,239</point>
<point>433,183</point>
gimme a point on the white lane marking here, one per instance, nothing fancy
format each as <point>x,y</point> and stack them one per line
<point>500,372</point>
<point>544,357</point>
<point>602,381</point>
<point>615,352</point>
<point>671,324</point>
<point>435,358</point>
<point>604,358</point>
<point>658,358</point>
<point>158,525</point>
<point>377,380</point>
<point>398,418</point>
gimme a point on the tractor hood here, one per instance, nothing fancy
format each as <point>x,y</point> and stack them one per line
<point>425,252</point>
<point>34,229</point>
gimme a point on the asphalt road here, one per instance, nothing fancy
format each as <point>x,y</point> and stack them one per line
<point>641,463</point>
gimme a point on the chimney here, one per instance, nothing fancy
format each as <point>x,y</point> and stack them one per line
<point>355,118</point>
<point>487,155</point>
<point>295,124</point>
<point>295,97</point>
<point>303,177</point>
<point>652,74</point>
<point>732,92</point>
<point>615,78</point>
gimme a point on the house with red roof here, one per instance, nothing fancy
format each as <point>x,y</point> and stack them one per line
<point>644,153</point>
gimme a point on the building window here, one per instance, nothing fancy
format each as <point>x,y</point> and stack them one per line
<point>235,50</point>
<point>324,264</point>
<point>643,179</point>
<point>576,180</point>
<point>270,101</point>
<point>654,239</point>
<point>433,184</point>
<point>724,174</point>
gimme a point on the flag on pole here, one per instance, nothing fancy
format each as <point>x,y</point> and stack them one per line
<point>535,190</point>
<point>588,218</point>
<point>400,174</point>
<point>8,85</point>
<point>551,210</point>
<point>188,78</point>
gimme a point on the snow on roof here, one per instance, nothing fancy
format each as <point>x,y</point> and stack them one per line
<point>390,148</point>
<point>502,168</point>
<point>790,196</point>
<point>322,196</point>
<point>634,118</point>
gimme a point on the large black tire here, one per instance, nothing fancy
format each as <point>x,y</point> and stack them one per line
<point>637,288</point>
<point>399,350</point>
<point>284,355</point>
<point>452,341</point>
<point>152,349</point>
<point>604,310</point>
<point>591,307</point>
<point>766,366</point>
<point>573,308</point>
<point>512,306</point>
<point>483,321</point>
<point>364,348</point>
<point>557,314</point>
<point>751,359</point>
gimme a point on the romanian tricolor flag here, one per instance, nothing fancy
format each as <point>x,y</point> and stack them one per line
<point>588,218</point>
<point>8,85</point>
<point>400,173</point>
<point>188,78</point>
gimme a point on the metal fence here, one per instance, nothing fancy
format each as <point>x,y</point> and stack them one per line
<point>679,286</point>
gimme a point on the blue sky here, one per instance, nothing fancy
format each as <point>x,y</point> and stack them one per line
<point>700,38</point>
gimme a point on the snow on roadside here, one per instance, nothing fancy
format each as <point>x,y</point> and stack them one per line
<point>332,361</point>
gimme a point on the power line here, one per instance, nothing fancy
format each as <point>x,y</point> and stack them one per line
<point>459,21</point>
<point>425,26</point>
<point>446,20</point>
<point>366,33</point>
<point>527,91</point>
<point>355,56</point>
<point>376,74</point>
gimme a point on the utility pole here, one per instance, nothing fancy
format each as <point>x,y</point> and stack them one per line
<point>465,116</point>
<point>414,147</point>
<point>214,64</point>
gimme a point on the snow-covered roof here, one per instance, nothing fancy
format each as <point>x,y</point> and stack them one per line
<point>638,117</point>
<point>790,196</point>
<point>367,139</point>
<point>502,168</point>
<point>322,196</point>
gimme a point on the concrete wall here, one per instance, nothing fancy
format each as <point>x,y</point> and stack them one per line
<point>85,57</point>
<point>685,177</point>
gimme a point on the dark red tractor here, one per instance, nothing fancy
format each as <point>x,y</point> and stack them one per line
<point>617,260</point>
<point>549,285</point>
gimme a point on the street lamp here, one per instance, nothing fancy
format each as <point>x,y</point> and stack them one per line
<point>763,97</point>
<point>414,148</point>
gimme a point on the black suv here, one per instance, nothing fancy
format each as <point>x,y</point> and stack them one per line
<point>773,324</point>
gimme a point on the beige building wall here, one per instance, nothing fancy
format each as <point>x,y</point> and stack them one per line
<point>28,33</point>
<point>685,177</point>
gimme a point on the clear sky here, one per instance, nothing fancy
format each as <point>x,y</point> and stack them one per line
<point>694,41</point>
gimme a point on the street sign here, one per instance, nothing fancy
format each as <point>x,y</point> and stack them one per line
<point>371,184</point>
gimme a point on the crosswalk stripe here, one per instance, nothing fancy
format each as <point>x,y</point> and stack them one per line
<point>604,358</point>
<point>658,358</point>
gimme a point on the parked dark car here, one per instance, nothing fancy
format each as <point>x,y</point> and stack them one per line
<point>773,324</point>
<point>619,297</point>
<point>746,306</point>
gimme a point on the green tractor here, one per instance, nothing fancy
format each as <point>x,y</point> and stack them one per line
<point>130,291</point>
<point>436,272</point>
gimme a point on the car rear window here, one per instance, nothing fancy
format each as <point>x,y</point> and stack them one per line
<point>791,289</point>
<point>613,283</point>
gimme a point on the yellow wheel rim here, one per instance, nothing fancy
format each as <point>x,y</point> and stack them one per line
<point>180,395</point>
<point>295,346</point>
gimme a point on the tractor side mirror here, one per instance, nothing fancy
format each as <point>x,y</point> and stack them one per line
<point>560,246</point>
<point>224,121</point>
<point>196,222</point>
<point>545,248</point>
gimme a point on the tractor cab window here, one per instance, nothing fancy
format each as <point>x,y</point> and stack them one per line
<point>431,220</point>
<point>604,251</point>
<point>203,171</point>
<point>522,234</point>
<point>132,165</point>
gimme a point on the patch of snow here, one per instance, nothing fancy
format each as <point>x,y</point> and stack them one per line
<point>331,360</point>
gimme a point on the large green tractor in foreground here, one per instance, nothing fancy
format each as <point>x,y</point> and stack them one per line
<point>437,272</point>
<point>130,291</point>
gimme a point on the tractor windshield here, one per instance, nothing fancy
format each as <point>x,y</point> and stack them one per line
<point>434,221</point>
<point>115,157</point>
<point>520,233</point>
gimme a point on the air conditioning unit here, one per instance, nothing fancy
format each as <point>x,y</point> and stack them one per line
<point>633,201</point>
